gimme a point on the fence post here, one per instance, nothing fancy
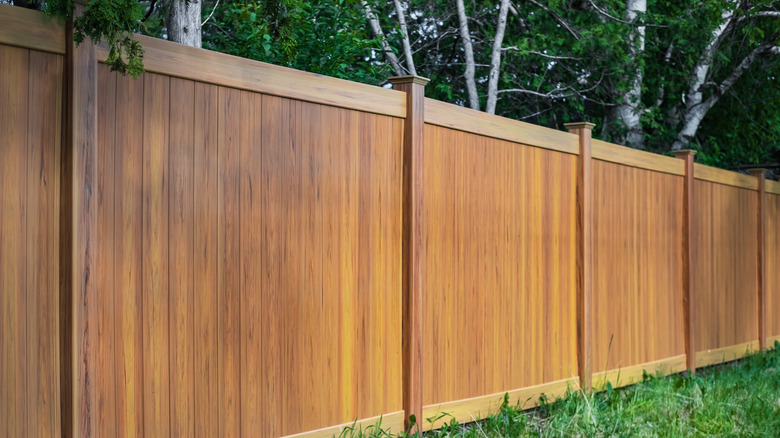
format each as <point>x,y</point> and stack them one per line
<point>687,258</point>
<point>761,283</point>
<point>584,253</point>
<point>412,244</point>
<point>78,236</point>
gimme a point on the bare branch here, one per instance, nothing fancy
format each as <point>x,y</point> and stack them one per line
<point>606,14</point>
<point>212,13</point>
<point>557,18</point>
<point>544,55</point>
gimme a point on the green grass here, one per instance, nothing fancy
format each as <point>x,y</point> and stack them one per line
<point>741,398</point>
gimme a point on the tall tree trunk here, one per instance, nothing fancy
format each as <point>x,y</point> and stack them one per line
<point>495,59</point>
<point>629,111</point>
<point>405,37</point>
<point>183,22</point>
<point>376,27</point>
<point>468,74</point>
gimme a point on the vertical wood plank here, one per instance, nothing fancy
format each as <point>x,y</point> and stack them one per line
<point>128,235</point>
<point>81,147</point>
<point>412,247</point>
<point>156,181</point>
<point>275,142</point>
<point>761,257</point>
<point>181,255</point>
<point>205,270</point>
<point>44,136</point>
<point>584,252</point>
<point>228,263</point>
<point>14,65</point>
<point>687,260</point>
<point>105,367</point>
<point>252,284</point>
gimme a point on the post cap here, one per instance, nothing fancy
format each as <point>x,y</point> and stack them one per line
<point>579,125</point>
<point>758,171</point>
<point>409,79</point>
<point>684,153</point>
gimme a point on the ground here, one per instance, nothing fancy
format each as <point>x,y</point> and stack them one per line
<point>740,398</point>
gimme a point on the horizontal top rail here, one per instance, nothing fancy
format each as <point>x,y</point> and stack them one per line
<point>477,122</point>
<point>31,30</point>
<point>772,187</point>
<point>202,65</point>
<point>720,176</point>
<point>604,151</point>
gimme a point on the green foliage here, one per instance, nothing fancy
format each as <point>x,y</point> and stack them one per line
<point>111,20</point>
<point>737,399</point>
<point>324,37</point>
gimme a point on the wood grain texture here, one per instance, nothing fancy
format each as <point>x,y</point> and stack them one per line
<point>624,376</point>
<point>772,187</point>
<point>613,153</point>
<point>761,265</point>
<point>637,266</point>
<point>720,176</point>
<point>44,132</point>
<point>14,113</point>
<point>499,254</point>
<point>31,29</point>
<point>725,354</point>
<point>412,245</point>
<point>81,144</point>
<point>772,243</point>
<point>128,249</point>
<point>477,408</point>
<point>392,423</point>
<point>724,247</point>
<point>686,262</point>
<point>476,122</point>
<point>178,60</point>
<point>243,235</point>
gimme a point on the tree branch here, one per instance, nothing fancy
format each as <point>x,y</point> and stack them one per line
<point>468,74</point>
<point>557,18</point>
<point>373,21</point>
<point>405,37</point>
<point>495,58</point>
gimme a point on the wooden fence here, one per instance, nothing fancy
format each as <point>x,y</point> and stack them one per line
<point>229,248</point>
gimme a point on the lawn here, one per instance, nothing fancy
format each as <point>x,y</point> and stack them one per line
<point>741,398</point>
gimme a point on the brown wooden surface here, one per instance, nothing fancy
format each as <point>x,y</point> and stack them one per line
<point>761,257</point>
<point>476,122</point>
<point>584,256</point>
<point>613,153</point>
<point>686,260</point>
<point>724,265</point>
<point>624,376</point>
<point>30,29</point>
<point>725,354</point>
<point>178,60</point>
<point>260,258</point>
<point>721,176</point>
<point>499,262</point>
<point>772,187</point>
<point>637,229</point>
<point>772,242</point>
<point>81,144</point>
<point>30,114</point>
<point>413,237</point>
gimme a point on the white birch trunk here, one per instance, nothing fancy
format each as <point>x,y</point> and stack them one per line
<point>495,59</point>
<point>468,74</point>
<point>630,110</point>
<point>405,38</point>
<point>373,21</point>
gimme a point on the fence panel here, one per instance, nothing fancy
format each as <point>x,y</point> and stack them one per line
<point>772,262</point>
<point>253,257</point>
<point>637,273</point>
<point>30,123</point>
<point>725,267</point>
<point>499,270</point>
